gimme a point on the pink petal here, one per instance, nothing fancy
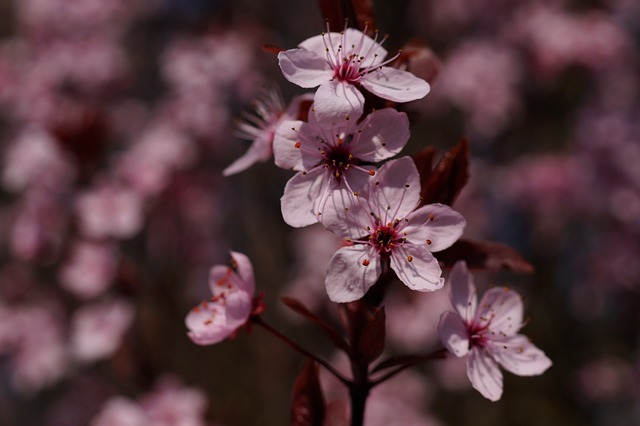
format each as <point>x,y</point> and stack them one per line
<point>207,324</point>
<point>417,268</point>
<point>519,356</point>
<point>285,153</point>
<point>336,101</point>
<point>352,271</point>
<point>304,68</point>
<point>463,292</point>
<point>244,269</point>
<point>399,189</point>
<point>304,197</point>
<point>363,45</point>
<point>395,85</point>
<point>438,223</point>
<point>259,151</point>
<point>503,308</point>
<point>238,305</point>
<point>453,333</point>
<point>383,134</point>
<point>484,374</point>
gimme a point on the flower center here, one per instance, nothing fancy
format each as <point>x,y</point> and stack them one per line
<point>385,237</point>
<point>338,157</point>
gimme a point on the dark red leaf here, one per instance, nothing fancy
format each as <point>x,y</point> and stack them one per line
<point>358,13</point>
<point>307,406</point>
<point>300,309</point>
<point>485,255</point>
<point>420,60</point>
<point>372,340</point>
<point>364,14</point>
<point>449,176</point>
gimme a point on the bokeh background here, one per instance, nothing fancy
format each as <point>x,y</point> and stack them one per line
<point>117,118</point>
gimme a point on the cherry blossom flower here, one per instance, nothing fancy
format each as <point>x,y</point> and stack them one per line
<point>327,159</point>
<point>342,63</point>
<point>233,288</point>
<point>488,333</point>
<point>261,128</point>
<point>90,268</point>
<point>385,227</point>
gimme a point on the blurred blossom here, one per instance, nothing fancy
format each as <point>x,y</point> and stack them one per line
<point>169,404</point>
<point>606,378</point>
<point>35,159</point>
<point>89,269</point>
<point>35,342</point>
<point>110,211</point>
<point>39,228</point>
<point>481,78</point>
<point>148,164</point>
<point>97,329</point>
<point>558,39</point>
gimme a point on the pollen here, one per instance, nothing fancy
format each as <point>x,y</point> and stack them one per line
<point>365,262</point>
<point>431,217</point>
<point>429,242</point>
<point>298,144</point>
<point>409,258</point>
<point>372,172</point>
<point>208,322</point>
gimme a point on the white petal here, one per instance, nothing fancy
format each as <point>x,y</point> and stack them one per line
<point>484,374</point>
<point>259,151</point>
<point>395,85</point>
<point>304,68</point>
<point>383,134</point>
<point>352,271</point>
<point>502,308</point>
<point>238,306</point>
<point>453,333</point>
<point>398,190</point>
<point>352,41</point>
<point>519,356</point>
<point>207,324</point>
<point>463,292</point>
<point>417,268</point>
<point>285,153</point>
<point>244,269</point>
<point>304,198</point>
<point>335,101</point>
<point>438,223</point>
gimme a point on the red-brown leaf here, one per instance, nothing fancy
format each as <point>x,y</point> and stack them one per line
<point>372,340</point>
<point>449,176</point>
<point>307,406</point>
<point>420,60</point>
<point>485,255</point>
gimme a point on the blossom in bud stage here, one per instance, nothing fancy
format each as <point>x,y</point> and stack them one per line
<point>233,288</point>
<point>383,225</point>
<point>260,128</point>
<point>342,63</point>
<point>487,332</point>
<point>328,160</point>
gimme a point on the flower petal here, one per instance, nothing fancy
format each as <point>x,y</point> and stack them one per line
<point>382,134</point>
<point>351,41</point>
<point>463,292</point>
<point>336,101</point>
<point>417,268</point>
<point>437,225</point>
<point>244,269</point>
<point>285,153</point>
<point>207,324</point>
<point>502,308</point>
<point>352,271</point>
<point>453,333</point>
<point>484,374</point>
<point>259,151</point>
<point>398,190</point>
<point>395,85</point>
<point>519,356</point>
<point>304,197</point>
<point>304,68</point>
<point>237,308</point>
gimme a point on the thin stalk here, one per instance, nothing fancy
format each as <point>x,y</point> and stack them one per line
<point>259,321</point>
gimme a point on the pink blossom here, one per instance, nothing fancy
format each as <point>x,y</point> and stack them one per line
<point>342,63</point>
<point>172,404</point>
<point>110,210</point>
<point>97,329</point>
<point>383,226</point>
<point>233,288</point>
<point>90,268</point>
<point>261,128</point>
<point>487,333</point>
<point>120,411</point>
<point>327,159</point>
